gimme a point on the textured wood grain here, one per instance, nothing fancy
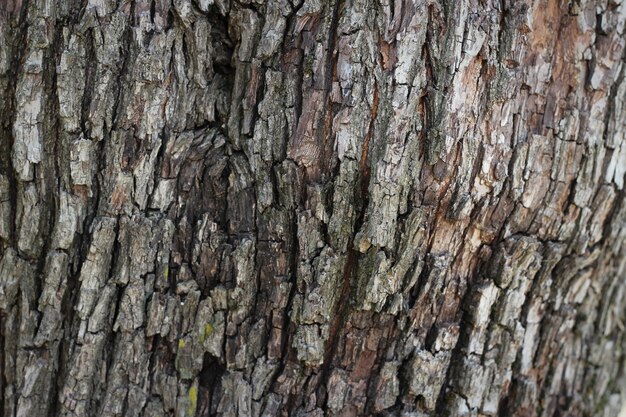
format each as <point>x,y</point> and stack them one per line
<point>312,208</point>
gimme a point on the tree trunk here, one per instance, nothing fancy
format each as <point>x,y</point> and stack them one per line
<point>312,208</point>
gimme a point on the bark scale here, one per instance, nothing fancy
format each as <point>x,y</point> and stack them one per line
<point>312,207</point>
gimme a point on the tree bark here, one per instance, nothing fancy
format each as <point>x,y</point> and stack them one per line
<point>312,208</point>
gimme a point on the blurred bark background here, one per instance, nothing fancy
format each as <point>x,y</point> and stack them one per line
<point>312,207</point>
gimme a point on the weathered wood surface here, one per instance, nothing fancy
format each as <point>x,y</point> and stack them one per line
<point>312,207</point>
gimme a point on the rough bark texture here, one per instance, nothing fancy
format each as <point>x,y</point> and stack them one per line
<point>312,207</point>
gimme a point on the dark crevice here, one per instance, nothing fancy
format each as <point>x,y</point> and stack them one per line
<point>15,52</point>
<point>208,382</point>
<point>90,76</point>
